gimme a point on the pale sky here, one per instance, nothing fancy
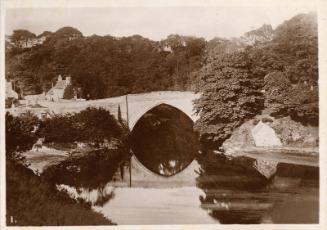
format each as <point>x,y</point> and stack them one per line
<point>151,22</point>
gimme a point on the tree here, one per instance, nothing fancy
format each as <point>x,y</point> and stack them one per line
<point>119,117</point>
<point>97,125</point>
<point>104,66</point>
<point>20,134</point>
<point>59,129</point>
<point>230,95</point>
<point>33,201</point>
<point>22,36</point>
<point>290,66</point>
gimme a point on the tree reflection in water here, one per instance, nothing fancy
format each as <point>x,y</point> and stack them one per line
<point>163,140</point>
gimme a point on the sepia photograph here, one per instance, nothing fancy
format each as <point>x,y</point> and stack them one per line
<point>160,114</point>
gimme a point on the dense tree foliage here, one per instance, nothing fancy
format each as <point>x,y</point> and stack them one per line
<point>22,36</point>
<point>95,126</point>
<point>279,76</point>
<point>107,66</point>
<point>230,94</point>
<point>33,201</point>
<point>20,134</point>
<point>294,54</point>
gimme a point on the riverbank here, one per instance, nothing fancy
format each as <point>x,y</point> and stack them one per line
<point>270,141</point>
<point>290,155</point>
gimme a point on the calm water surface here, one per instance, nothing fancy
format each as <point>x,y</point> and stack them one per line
<point>217,199</point>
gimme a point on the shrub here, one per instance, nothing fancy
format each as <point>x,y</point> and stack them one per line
<point>32,201</point>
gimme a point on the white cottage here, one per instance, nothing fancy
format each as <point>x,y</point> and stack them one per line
<point>57,91</point>
<point>10,92</point>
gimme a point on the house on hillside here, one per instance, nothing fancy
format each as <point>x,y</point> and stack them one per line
<point>57,91</point>
<point>10,92</point>
<point>31,42</point>
<point>33,99</point>
<point>28,42</point>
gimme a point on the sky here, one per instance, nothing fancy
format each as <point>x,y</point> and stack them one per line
<point>155,23</point>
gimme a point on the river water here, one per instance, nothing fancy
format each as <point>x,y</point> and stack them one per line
<point>217,198</point>
<point>182,206</point>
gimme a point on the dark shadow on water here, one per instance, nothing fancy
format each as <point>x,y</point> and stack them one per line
<point>163,140</point>
<point>235,193</point>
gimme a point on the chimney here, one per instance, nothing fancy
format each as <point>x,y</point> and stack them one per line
<point>59,77</point>
<point>68,80</point>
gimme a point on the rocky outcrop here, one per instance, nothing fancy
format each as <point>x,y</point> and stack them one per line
<point>272,141</point>
<point>265,136</point>
<point>289,132</point>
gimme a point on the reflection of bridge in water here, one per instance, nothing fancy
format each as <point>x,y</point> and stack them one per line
<point>132,108</point>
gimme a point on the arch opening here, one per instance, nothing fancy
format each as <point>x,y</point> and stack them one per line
<point>164,141</point>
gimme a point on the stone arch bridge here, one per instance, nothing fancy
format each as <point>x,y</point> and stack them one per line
<point>133,107</point>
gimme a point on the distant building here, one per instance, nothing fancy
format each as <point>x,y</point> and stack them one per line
<point>38,110</point>
<point>73,37</point>
<point>30,42</point>
<point>10,92</point>
<point>33,99</point>
<point>167,48</point>
<point>57,91</point>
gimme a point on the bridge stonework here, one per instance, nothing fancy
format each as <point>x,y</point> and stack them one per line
<point>143,177</point>
<point>133,107</point>
<point>136,104</point>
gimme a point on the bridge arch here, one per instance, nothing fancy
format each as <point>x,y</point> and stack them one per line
<point>136,117</point>
<point>164,141</point>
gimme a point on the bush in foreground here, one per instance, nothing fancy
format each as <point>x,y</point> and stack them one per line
<point>32,201</point>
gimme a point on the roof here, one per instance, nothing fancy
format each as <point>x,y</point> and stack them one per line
<point>50,92</point>
<point>60,85</point>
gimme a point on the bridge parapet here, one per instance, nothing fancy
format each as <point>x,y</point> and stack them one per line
<point>138,104</point>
